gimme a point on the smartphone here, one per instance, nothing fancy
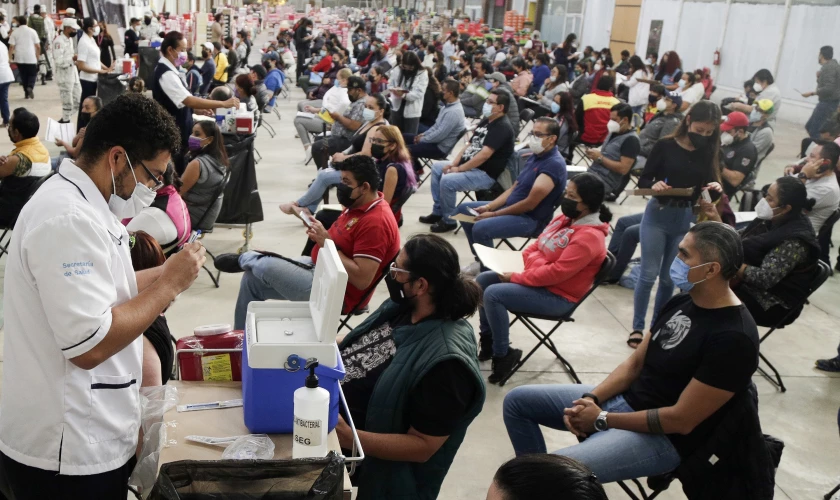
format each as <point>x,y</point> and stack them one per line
<point>473,212</point>
<point>305,219</point>
<point>706,196</point>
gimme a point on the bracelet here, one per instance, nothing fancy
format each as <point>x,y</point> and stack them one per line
<point>592,396</point>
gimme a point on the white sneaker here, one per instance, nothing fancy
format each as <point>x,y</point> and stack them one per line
<point>307,155</point>
<point>472,269</point>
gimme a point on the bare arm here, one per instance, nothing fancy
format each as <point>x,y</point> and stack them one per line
<point>194,102</point>
<point>190,177</point>
<point>620,379</point>
<point>622,166</point>
<point>8,166</point>
<point>501,199</point>
<point>733,177</point>
<point>360,271</point>
<point>543,185</point>
<point>412,446</point>
<point>146,277</point>
<point>390,185</point>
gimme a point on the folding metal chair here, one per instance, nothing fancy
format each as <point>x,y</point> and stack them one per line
<point>526,116</point>
<point>822,274</point>
<point>528,319</point>
<point>205,225</point>
<point>657,484</point>
<point>360,309</point>
<point>4,247</point>
<point>427,163</point>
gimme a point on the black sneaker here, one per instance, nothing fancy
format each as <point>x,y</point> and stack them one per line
<point>63,121</point>
<point>443,227</point>
<point>503,366</point>
<point>485,349</point>
<point>228,263</point>
<point>430,219</point>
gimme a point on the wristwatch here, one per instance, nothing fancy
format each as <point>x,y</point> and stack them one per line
<point>601,422</point>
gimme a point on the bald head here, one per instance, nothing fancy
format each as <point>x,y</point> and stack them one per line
<point>222,93</point>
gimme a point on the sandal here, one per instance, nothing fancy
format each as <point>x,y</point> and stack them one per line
<point>635,339</point>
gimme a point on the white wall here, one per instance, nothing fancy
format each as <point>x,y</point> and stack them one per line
<point>664,10</point>
<point>597,23</point>
<point>752,39</point>
<point>809,28</point>
<point>699,36</point>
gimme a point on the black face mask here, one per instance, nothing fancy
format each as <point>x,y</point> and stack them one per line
<point>377,151</point>
<point>345,195</point>
<point>652,100</point>
<point>396,290</point>
<point>85,117</point>
<point>370,78</point>
<point>569,208</point>
<point>148,21</point>
<point>698,141</point>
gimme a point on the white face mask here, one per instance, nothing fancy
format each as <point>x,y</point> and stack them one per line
<point>757,87</point>
<point>613,126</point>
<point>681,84</point>
<point>536,145</point>
<point>141,198</point>
<point>726,139</point>
<point>661,105</point>
<point>763,210</point>
<point>552,79</point>
<point>96,31</point>
<point>596,68</point>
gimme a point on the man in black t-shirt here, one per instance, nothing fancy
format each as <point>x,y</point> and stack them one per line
<point>738,155</point>
<point>476,167</point>
<point>664,401</point>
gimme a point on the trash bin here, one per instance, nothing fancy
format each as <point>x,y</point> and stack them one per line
<point>309,479</point>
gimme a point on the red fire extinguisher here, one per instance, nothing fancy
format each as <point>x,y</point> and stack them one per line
<point>716,59</point>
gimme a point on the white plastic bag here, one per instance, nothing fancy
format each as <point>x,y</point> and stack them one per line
<point>154,403</point>
<point>250,447</point>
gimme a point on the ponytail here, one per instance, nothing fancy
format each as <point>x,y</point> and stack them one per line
<point>604,214</point>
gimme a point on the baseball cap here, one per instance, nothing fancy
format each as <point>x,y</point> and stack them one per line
<point>69,22</point>
<point>259,69</point>
<point>149,13</point>
<point>765,106</point>
<point>69,11</point>
<point>735,119</point>
<point>208,45</point>
<point>499,77</point>
<point>355,82</point>
<point>675,97</point>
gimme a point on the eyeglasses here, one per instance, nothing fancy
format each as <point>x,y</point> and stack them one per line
<point>393,270</point>
<point>158,182</point>
<point>381,142</point>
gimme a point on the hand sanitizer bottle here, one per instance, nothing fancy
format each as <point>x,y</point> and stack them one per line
<point>312,409</point>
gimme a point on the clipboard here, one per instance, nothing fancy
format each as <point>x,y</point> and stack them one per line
<point>501,261</point>
<point>55,130</point>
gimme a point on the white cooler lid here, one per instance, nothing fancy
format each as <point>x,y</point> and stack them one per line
<point>329,284</point>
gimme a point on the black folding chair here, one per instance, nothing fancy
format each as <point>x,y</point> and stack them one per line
<point>205,225</point>
<point>657,485</point>
<point>822,274</point>
<point>526,116</point>
<point>316,136</point>
<point>536,234</point>
<point>361,307</point>
<point>528,319</point>
<point>427,163</point>
<point>15,210</point>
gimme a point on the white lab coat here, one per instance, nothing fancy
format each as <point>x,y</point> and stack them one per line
<point>68,266</point>
<point>413,100</point>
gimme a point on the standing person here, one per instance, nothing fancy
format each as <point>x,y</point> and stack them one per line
<point>688,159</point>
<point>106,45</point>
<point>171,92</point>
<point>89,63</point>
<point>408,87</point>
<point>639,90</point>
<point>25,49</point>
<point>449,50</point>
<point>4,28</point>
<point>221,61</point>
<point>217,33</point>
<point>68,429</point>
<point>6,79</point>
<point>150,30</point>
<point>37,23</point>
<point>303,44</point>
<point>828,91</point>
<point>70,89</point>
<point>132,37</point>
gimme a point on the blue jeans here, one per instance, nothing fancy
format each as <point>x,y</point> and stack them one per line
<point>623,242</point>
<point>445,188</point>
<point>485,231</point>
<point>4,102</point>
<point>613,455</point>
<point>270,278</point>
<point>821,113</point>
<point>661,231</point>
<point>500,297</point>
<point>325,179</point>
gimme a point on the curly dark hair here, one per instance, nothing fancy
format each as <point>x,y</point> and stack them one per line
<point>137,123</point>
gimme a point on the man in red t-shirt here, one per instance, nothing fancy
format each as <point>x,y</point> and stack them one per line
<point>366,236</point>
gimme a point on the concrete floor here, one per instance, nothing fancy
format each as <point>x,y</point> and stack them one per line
<point>804,417</point>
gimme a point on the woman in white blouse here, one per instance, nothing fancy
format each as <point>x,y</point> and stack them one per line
<point>6,79</point>
<point>639,89</point>
<point>691,90</point>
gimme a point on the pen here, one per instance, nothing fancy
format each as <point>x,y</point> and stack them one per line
<point>194,236</point>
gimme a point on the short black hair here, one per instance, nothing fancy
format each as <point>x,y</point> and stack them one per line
<point>138,124</point>
<point>623,110</point>
<point>764,75</point>
<point>363,170</point>
<point>625,53</point>
<point>827,51</point>
<point>551,124</point>
<point>719,242</point>
<point>451,85</point>
<point>37,9</point>
<point>831,152</point>
<point>749,84</point>
<point>659,89</point>
<point>519,62</point>
<point>97,102</point>
<point>171,40</point>
<point>486,65</point>
<point>606,82</point>
<point>592,191</point>
<point>545,475</point>
<point>543,58</point>
<point>133,20</point>
<point>217,46</point>
<point>502,98</point>
<point>25,122</point>
<point>228,40</point>
<point>87,23</point>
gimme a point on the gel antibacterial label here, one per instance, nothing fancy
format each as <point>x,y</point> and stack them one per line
<point>307,432</point>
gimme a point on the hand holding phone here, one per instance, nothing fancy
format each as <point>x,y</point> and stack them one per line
<point>472,211</point>
<point>305,219</point>
<point>706,196</point>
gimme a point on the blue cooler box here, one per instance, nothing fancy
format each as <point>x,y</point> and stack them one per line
<point>280,336</point>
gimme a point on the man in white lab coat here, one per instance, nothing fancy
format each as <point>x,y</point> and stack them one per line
<point>76,311</point>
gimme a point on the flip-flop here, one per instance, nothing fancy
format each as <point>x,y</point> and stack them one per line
<point>634,341</point>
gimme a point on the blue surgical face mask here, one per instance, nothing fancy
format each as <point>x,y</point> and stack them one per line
<point>755,116</point>
<point>487,110</point>
<point>679,274</point>
<point>555,108</point>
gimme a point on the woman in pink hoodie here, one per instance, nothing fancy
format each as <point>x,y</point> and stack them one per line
<point>559,269</point>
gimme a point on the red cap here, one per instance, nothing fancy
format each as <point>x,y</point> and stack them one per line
<point>736,119</point>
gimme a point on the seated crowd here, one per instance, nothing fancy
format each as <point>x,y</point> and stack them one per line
<point>683,395</point>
